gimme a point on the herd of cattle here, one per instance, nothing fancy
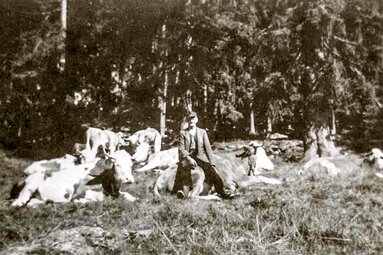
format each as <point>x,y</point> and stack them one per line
<point>103,162</point>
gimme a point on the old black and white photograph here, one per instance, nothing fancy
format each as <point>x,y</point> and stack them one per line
<point>191,127</point>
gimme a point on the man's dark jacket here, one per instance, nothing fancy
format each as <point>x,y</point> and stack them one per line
<point>203,147</point>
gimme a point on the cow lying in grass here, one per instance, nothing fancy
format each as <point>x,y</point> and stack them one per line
<point>257,159</point>
<point>343,165</point>
<point>69,183</point>
<point>232,181</point>
<point>199,190</point>
<point>231,170</point>
<point>346,164</point>
<point>159,160</point>
<point>51,165</point>
<point>376,158</point>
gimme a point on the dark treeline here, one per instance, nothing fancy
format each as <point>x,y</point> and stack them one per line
<point>302,67</point>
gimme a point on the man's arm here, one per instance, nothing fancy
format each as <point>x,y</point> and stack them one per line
<point>208,150</point>
<point>181,146</point>
<point>183,152</point>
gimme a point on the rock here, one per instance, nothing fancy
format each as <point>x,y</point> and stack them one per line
<point>79,240</point>
<point>277,136</point>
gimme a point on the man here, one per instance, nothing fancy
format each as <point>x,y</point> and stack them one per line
<point>195,150</point>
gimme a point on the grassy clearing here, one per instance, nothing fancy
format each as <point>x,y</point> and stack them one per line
<point>308,214</point>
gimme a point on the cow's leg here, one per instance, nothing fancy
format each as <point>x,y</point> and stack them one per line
<point>246,181</point>
<point>34,202</point>
<point>91,196</point>
<point>198,178</point>
<point>169,179</point>
<point>31,185</point>
<point>126,196</point>
<point>160,184</point>
<point>208,197</point>
<point>165,181</point>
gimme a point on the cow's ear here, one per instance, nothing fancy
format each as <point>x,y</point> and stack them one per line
<point>109,162</point>
<point>95,181</point>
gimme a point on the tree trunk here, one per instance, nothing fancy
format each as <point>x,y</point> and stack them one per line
<point>205,98</point>
<point>162,98</point>
<point>252,122</point>
<point>217,114</point>
<point>319,143</point>
<point>189,103</point>
<point>269,126</point>
<point>333,126</point>
<point>63,34</point>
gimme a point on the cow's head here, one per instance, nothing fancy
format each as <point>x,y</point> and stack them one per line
<point>375,154</point>
<point>121,139</point>
<point>142,153</point>
<point>375,159</point>
<point>120,162</point>
<point>133,139</point>
<point>247,152</point>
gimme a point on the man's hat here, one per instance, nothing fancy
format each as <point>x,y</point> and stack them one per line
<point>191,115</point>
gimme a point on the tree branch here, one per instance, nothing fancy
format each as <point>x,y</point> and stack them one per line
<point>345,40</point>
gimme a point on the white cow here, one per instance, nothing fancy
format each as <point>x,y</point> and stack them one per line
<point>110,172</point>
<point>257,158</point>
<point>165,182</point>
<point>232,172</point>
<point>149,136</point>
<point>96,137</point>
<point>259,162</point>
<point>52,165</point>
<point>61,186</point>
<point>377,158</point>
<point>158,160</point>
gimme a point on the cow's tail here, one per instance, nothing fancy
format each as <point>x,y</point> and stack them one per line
<point>155,190</point>
<point>157,142</point>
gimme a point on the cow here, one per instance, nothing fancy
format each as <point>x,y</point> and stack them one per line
<point>96,137</point>
<point>150,136</point>
<point>141,154</point>
<point>57,186</point>
<point>62,186</point>
<point>159,160</point>
<point>257,159</point>
<point>376,158</point>
<point>199,190</point>
<point>78,152</point>
<point>231,171</point>
<point>110,172</point>
<point>43,166</point>
<point>51,165</point>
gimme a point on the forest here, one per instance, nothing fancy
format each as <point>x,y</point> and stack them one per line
<point>306,68</point>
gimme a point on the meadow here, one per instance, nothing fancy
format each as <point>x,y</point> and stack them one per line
<point>310,213</point>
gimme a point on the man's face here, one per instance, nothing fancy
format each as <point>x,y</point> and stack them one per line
<point>193,122</point>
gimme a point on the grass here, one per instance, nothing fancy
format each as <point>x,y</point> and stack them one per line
<point>308,214</point>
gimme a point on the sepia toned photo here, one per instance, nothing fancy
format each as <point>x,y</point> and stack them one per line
<point>191,127</point>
